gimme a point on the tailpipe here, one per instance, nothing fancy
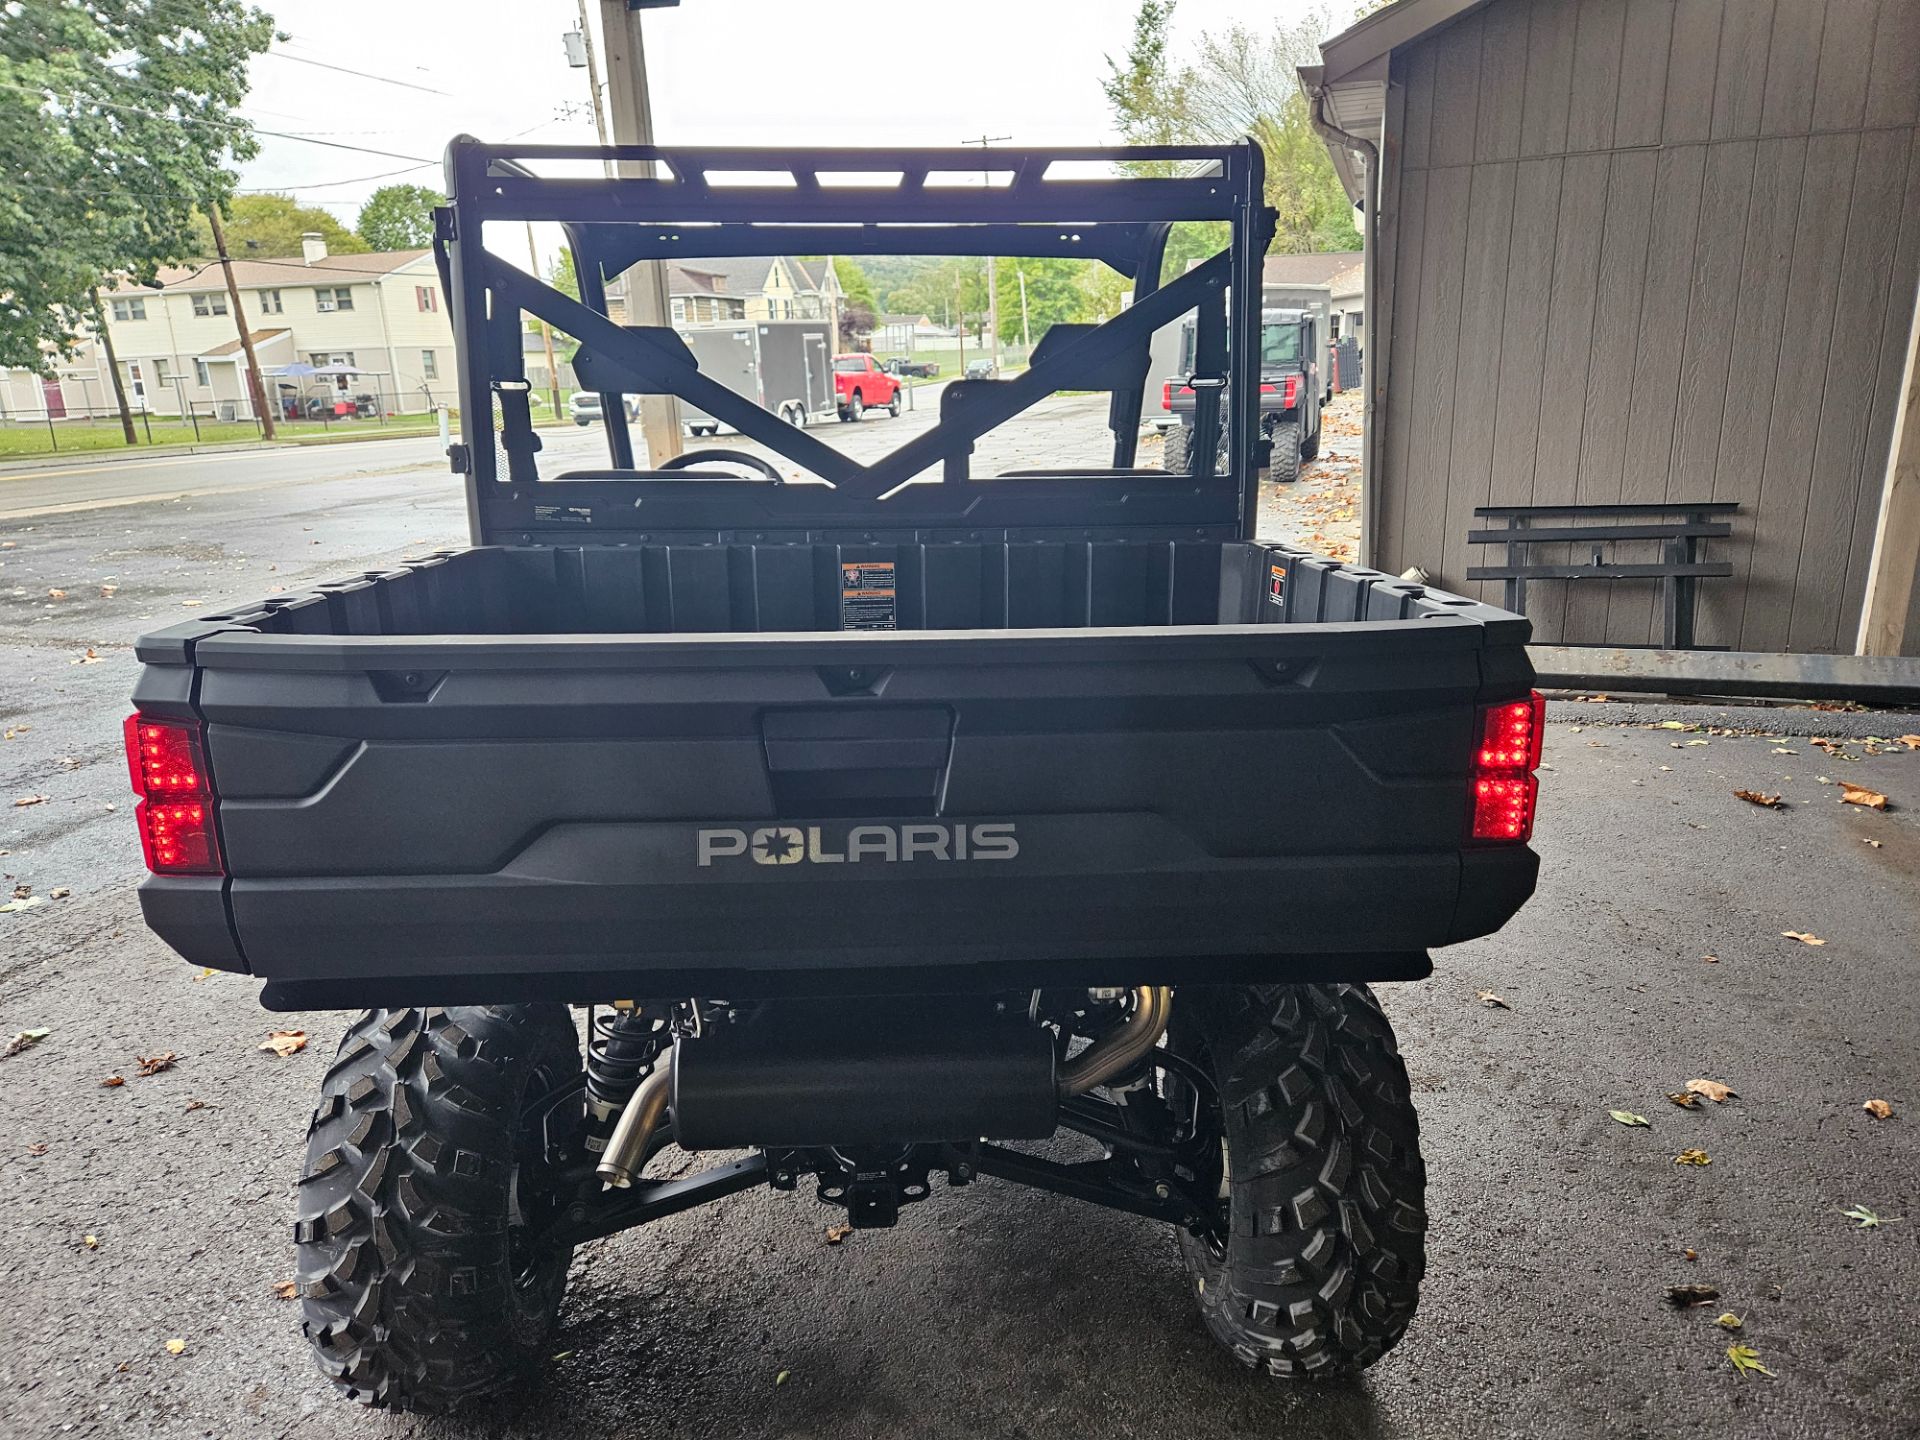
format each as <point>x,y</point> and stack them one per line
<point>626,1153</point>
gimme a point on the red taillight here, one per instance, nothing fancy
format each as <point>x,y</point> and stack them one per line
<point>1505,791</point>
<point>1166,396</point>
<point>1292,395</point>
<point>168,763</point>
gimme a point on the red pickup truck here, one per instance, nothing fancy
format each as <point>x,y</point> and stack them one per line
<point>859,384</point>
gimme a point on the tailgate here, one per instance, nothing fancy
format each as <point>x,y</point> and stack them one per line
<point>547,813</point>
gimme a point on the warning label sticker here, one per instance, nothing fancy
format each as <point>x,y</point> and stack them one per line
<point>1277,585</point>
<point>867,595</point>
<point>562,515</point>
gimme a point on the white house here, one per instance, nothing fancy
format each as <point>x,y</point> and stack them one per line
<point>178,345</point>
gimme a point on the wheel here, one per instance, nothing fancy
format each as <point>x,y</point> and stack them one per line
<point>1285,466</point>
<point>1316,1268</point>
<point>893,405</point>
<point>1175,456</point>
<point>1310,446</point>
<point>856,407</point>
<point>425,1176</point>
<point>581,422</point>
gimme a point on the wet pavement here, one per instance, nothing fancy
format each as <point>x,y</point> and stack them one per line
<point>995,1311</point>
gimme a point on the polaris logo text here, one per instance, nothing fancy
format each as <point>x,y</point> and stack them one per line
<point>792,844</point>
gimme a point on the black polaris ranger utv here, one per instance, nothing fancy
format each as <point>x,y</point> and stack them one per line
<point>1288,425</point>
<point>896,828</point>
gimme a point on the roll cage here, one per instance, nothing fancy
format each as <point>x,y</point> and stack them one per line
<point>851,202</point>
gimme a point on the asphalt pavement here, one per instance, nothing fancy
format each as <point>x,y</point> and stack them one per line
<point>995,1311</point>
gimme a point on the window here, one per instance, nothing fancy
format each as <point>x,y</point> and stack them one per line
<point>209,304</point>
<point>163,372</point>
<point>679,308</point>
<point>328,301</point>
<point>425,296</point>
<point>429,365</point>
<point>129,309</point>
<point>269,302</point>
<point>851,364</point>
<point>201,375</point>
<point>1279,345</point>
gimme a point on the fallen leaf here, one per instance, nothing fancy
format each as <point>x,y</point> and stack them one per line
<point>1692,1157</point>
<point>837,1233</point>
<point>1682,1296</point>
<point>1491,1000</point>
<point>285,1042</point>
<point>781,1378</point>
<point>1754,797</point>
<point>92,1242</point>
<point>1912,742</point>
<point>285,1290</point>
<point>1685,1099</point>
<point>1746,1360</point>
<point>56,594</point>
<point>1699,742</point>
<point>193,1105</point>
<point>37,1149</point>
<point>1712,1090</point>
<point>1879,1109</point>
<point>563,1355</point>
<point>1803,937</point>
<point>1627,1117</point>
<point>21,892</point>
<point>1675,725</point>
<point>1863,1218</point>
<point>205,971</point>
<point>1709,959</point>
<point>1781,750</point>
<point>1690,1255</point>
<point>90,658</point>
<point>107,592</point>
<point>1874,843</point>
<point>1729,1321</point>
<point>154,1064</point>
<point>26,800</point>
<point>24,1040</point>
<point>176,1347</point>
<point>59,892</point>
<point>1851,794</point>
<point>113,1082</point>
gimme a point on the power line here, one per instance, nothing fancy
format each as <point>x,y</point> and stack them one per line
<point>363,74</point>
<point>75,95</point>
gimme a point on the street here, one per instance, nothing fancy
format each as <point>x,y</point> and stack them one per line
<point>137,1217</point>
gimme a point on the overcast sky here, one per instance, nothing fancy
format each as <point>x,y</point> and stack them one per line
<point>850,72</point>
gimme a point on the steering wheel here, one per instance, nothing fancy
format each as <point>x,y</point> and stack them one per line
<point>725,457</point>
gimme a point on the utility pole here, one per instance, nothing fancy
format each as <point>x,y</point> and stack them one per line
<point>633,125</point>
<point>1026,333</point>
<point>256,386</point>
<point>993,288</point>
<point>546,333</point>
<point>593,77</point>
<point>960,305</point>
<point>113,368</point>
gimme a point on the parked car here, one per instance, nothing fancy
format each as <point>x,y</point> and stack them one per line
<point>920,369</point>
<point>584,406</point>
<point>859,384</point>
<point>981,369</point>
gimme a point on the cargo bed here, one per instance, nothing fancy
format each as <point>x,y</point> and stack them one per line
<point>510,772</point>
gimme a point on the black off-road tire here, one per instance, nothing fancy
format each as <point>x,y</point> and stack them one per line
<point>1176,449</point>
<point>1310,446</point>
<point>1284,468</point>
<point>417,1289</point>
<point>1319,1271</point>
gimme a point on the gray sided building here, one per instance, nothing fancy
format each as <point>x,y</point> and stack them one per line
<point>1645,250</point>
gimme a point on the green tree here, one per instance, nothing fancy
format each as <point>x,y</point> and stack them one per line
<point>854,284</point>
<point>1238,82</point>
<point>399,217</point>
<point>270,226</point>
<point>117,120</point>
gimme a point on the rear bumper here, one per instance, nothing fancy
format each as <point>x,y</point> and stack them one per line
<point>530,932</point>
